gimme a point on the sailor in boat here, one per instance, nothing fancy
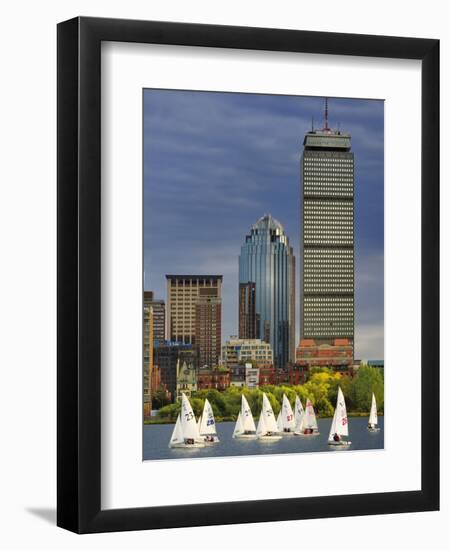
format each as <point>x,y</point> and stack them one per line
<point>210,439</point>
<point>189,441</point>
<point>336,437</point>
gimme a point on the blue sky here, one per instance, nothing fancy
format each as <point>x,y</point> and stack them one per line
<point>215,162</point>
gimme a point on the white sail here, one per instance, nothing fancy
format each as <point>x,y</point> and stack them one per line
<point>280,422</point>
<point>269,416</point>
<point>238,428</point>
<point>373,418</point>
<point>339,424</point>
<point>309,418</point>
<point>246,416</point>
<point>177,434</point>
<point>188,423</point>
<point>199,421</point>
<point>298,414</point>
<point>287,415</point>
<point>208,423</point>
<point>261,428</point>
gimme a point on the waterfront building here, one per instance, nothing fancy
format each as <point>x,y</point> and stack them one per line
<point>148,360</point>
<point>159,315</point>
<point>251,376</point>
<point>268,376</point>
<point>298,374</point>
<point>167,356</point>
<point>155,383</point>
<point>267,260</point>
<point>217,378</point>
<point>248,319</point>
<point>327,236</point>
<point>186,379</point>
<point>208,327</point>
<point>338,355</point>
<point>184,319</point>
<point>238,351</point>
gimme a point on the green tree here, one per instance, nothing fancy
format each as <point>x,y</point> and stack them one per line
<point>170,412</point>
<point>160,398</point>
<point>367,380</point>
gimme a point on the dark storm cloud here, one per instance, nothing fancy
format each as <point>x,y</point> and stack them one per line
<point>215,162</point>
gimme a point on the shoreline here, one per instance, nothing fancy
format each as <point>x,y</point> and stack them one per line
<point>150,422</point>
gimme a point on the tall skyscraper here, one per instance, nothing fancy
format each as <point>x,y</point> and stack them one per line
<point>208,327</point>
<point>327,239</point>
<point>184,319</point>
<point>248,319</point>
<point>159,315</point>
<point>267,260</point>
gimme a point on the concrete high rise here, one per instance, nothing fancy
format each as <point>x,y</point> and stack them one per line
<point>267,260</point>
<point>159,315</point>
<point>208,327</point>
<point>327,236</point>
<point>148,360</point>
<point>183,294</point>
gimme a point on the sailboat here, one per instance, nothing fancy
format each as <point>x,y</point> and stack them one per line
<point>298,414</point>
<point>372,425</point>
<point>267,429</point>
<point>185,433</point>
<point>307,426</point>
<point>339,425</point>
<point>245,425</point>
<point>207,426</point>
<point>285,419</point>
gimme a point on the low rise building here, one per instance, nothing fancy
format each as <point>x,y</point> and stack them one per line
<point>338,356</point>
<point>213,379</point>
<point>167,356</point>
<point>186,379</point>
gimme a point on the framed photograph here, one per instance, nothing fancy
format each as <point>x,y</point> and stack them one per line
<point>248,275</point>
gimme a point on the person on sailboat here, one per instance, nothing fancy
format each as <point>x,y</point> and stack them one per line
<point>336,437</point>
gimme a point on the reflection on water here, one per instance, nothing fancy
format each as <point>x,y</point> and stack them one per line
<point>157,436</point>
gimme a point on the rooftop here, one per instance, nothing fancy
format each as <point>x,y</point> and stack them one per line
<point>170,276</point>
<point>268,222</point>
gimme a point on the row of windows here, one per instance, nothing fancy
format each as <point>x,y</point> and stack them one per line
<point>324,206</point>
<point>327,192</point>
<point>328,291</point>
<point>333,221</point>
<point>329,172</point>
<point>324,268</point>
<point>328,240</point>
<point>327,160</point>
<point>327,252</point>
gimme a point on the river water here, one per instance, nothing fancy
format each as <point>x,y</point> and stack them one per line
<point>157,437</point>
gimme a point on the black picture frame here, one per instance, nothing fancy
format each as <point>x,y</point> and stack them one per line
<point>79,280</point>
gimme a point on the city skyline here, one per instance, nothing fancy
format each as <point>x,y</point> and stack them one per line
<point>216,162</point>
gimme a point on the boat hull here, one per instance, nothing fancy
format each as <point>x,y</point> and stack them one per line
<point>212,442</point>
<point>270,437</point>
<point>374,430</point>
<point>245,436</point>
<point>196,445</point>
<point>339,443</point>
<point>314,434</point>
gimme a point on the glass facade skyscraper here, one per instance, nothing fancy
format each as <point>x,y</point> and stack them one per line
<point>267,260</point>
<point>327,239</point>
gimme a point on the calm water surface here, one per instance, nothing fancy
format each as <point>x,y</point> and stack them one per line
<point>157,437</point>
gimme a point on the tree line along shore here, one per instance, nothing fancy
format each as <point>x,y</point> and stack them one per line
<point>321,388</point>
